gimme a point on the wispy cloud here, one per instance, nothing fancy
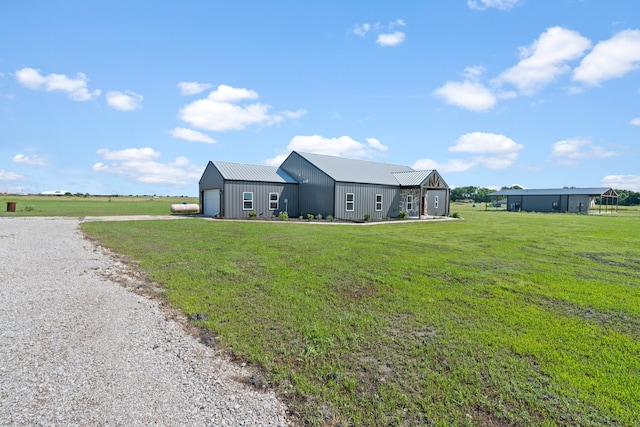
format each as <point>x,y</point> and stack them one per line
<point>489,150</point>
<point>10,176</point>
<point>385,34</point>
<point>29,160</point>
<point>343,146</point>
<point>193,88</point>
<point>569,152</point>
<point>76,88</point>
<point>192,135</point>
<point>141,165</point>
<point>498,4</point>
<point>622,182</point>
<point>124,101</point>
<point>635,121</point>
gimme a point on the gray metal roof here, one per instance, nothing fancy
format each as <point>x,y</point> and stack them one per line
<point>412,178</point>
<point>359,171</point>
<point>591,191</point>
<point>258,173</point>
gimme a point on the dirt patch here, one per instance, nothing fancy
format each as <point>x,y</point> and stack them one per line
<point>614,320</point>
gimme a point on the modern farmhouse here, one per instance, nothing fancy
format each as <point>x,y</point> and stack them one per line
<point>324,185</point>
<point>573,200</point>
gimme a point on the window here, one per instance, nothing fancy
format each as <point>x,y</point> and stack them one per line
<point>350,201</point>
<point>273,201</point>
<point>247,201</point>
<point>435,202</point>
<point>378,202</point>
<point>555,206</point>
<point>409,202</point>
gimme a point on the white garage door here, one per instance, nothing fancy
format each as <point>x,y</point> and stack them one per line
<point>211,202</point>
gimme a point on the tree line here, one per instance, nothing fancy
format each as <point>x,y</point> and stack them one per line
<point>478,195</point>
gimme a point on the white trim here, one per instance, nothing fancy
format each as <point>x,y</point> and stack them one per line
<point>352,202</point>
<point>276,200</point>
<point>435,202</point>
<point>409,202</point>
<point>245,201</point>
<point>378,204</point>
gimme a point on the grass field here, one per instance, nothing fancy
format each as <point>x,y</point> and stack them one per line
<point>500,319</point>
<point>89,206</point>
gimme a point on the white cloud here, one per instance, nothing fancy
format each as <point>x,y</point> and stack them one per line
<point>545,60</point>
<point>222,111</point>
<point>611,58</point>
<point>635,121</point>
<point>33,160</point>
<point>622,182</point>
<point>193,88</point>
<point>386,36</point>
<point>498,4</point>
<point>469,95</point>
<point>192,135</point>
<point>130,154</point>
<point>362,30</point>
<point>343,146</point>
<point>453,165</point>
<point>139,164</point>
<point>76,88</point>
<point>124,101</point>
<point>482,142</point>
<point>569,151</point>
<point>10,176</point>
<point>390,39</point>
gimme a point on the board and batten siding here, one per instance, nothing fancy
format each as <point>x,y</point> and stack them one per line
<point>365,200</point>
<point>316,187</point>
<point>234,203</point>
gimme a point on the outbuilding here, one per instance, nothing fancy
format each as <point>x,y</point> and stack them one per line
<point>572,200</point>
<point>307,183</point>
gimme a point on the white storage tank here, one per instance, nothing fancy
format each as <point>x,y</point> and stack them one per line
<point>185,208</point>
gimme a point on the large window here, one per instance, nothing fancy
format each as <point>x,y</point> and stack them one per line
<point>350,201</point>
<point>273,201</point>
<point>247,201</point>
<point>435,202</point>
<point>409,202</point>
<point>378,202</point>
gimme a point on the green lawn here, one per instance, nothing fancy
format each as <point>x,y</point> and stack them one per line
<point>89,206</point>
<point>500,319</point>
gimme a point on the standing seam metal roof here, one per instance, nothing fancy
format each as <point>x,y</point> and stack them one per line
<point>258,173</point>
<point>357,171</point>
<point>413,178</point>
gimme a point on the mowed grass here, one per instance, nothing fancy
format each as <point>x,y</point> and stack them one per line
<point>89,206</point>
<point>500,319</point>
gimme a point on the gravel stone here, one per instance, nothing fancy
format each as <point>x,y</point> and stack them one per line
<point>77,348</point>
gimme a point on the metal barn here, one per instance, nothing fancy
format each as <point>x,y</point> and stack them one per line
<point>315,184</point>
<point>572,200</point>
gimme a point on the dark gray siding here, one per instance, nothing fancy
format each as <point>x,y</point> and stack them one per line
<point>316,188</point>
<point>443,202</point>
<point>211,179</point>
<point>549,203</point>
<point>233,201</point>
<point>365,199</point>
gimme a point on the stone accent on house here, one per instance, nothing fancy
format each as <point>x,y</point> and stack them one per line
<point>416,193</point>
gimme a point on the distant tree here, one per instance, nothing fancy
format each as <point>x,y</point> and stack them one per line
<point>513,187</point>
<point>477,194</point>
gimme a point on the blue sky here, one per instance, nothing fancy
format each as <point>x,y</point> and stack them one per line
<point>135,97</point>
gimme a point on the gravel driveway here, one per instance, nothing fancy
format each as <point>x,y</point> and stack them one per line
<point>79,349</point>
